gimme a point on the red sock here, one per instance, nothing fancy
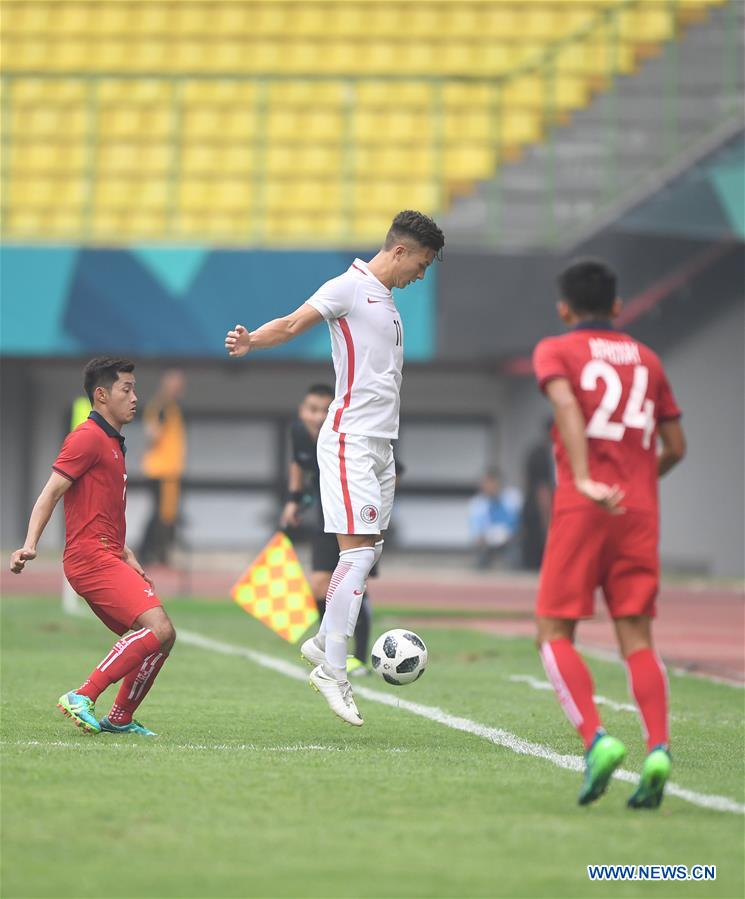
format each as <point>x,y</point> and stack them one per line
<point>572,682</point>
<point>126,654</point>
<point>135,687</point>
<point>648,682</point>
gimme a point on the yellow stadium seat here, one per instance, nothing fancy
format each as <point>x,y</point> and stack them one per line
<point>218,123</point>
<point>469,124</point>
<point>221,195</point>
<point>519,127</point>
<point>48,90</point>
<point>394,94</point>
<point>146,122</point>
<point>317,125</point>
<point>26,54</point>
<point>47,192</point>
<point>373,225</point>
<point>48,121</point>
<point>394,161</point>
<point>312,159</point>
<point>131,157</point>
<point>22,17</point>
<point>469,161</point>
<point>131,193</point>
<point>220,92</point>
<point>301,194</point>
<point>307,93</point>
<point>71,19</point>
<point>382,127</point>
<point>42,158</point>
<point>271,19</point>
<point>134,90</point>
<point>304,227</point>
<point>459,94</point>
<point>310,19</point>
<point>207,224</point>
<point>379,195</point>
<point>211,159</point>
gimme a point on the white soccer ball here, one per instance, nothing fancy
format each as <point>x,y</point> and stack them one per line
<point>399,657</point>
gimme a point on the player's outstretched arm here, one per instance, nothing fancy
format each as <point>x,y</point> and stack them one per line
<point>571,424</point>
<point>673,443</point>
<point>239,341</point>
<point>53,491</point>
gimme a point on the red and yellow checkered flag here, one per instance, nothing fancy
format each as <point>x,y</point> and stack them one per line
<point>274,590</point>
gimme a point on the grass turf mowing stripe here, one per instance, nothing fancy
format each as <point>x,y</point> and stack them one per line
<point>495,735</point>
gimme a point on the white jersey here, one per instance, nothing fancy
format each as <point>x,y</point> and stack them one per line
<point>367,346</point>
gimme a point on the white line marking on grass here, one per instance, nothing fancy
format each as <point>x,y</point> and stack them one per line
<point>493,734</point>
<point>611,655</point>
<point>187,747</point>
<point>545,685</point>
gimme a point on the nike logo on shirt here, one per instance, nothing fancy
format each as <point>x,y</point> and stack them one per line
<point>373,301</point>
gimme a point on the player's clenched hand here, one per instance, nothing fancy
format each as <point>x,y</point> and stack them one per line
<point>238,341</point>
<point>290,516</point>
<point>20,557</point>
<point>605,495</point>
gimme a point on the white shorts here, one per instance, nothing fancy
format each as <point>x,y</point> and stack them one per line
<point>358,480</point>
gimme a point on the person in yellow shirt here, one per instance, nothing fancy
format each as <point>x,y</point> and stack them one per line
<point>163,465</point>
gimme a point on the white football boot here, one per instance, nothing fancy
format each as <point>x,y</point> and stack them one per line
<point>312,653</point>
<point>338,694</point>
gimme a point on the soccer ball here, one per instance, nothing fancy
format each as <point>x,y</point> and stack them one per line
<point>399,657</point>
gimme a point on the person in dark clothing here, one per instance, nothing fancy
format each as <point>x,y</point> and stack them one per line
<point>539,489</point>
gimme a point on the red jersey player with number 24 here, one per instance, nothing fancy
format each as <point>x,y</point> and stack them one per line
<point>612,406</point>
<point>90,473</point>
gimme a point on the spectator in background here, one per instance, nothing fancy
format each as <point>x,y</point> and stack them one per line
<point>163,465</point>
<point>539,491</point>
<point>494,516</point>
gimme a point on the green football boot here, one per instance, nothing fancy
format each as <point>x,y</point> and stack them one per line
<point>80,710</point>
<point>134,727</point>
<point>601,759</point>
<point>655,773</point>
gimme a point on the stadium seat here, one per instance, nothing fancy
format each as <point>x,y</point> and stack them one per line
<point>273,117</point>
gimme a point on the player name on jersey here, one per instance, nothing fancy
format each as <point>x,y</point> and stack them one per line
<point>624,352</point>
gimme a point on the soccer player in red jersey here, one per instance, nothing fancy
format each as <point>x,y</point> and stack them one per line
<point>612,407</point>
<point>91,475</point>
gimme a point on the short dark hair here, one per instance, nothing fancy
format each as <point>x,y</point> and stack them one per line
<point>589,286</point>
<point>320,390</point>
<point>418,227</point>
<point>103,371</point>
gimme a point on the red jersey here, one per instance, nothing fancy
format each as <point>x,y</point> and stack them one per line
<point>92,457</point>
<point>623,392</point>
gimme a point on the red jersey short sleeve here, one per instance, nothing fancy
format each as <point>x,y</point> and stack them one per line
<point>548,362</point>
<point>80,451</point>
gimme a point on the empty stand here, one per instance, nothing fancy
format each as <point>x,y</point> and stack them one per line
<point>289,120</point>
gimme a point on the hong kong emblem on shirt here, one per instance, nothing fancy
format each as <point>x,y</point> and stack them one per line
<point>369,514</point>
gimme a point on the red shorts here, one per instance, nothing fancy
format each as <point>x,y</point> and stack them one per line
<point>589,548</point>
<point>113,590</point>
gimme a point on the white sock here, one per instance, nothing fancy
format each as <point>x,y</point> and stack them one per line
<point>343,605</point>
<point>354,609</point>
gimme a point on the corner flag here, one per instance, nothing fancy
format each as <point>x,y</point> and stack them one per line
<point>274,590</point>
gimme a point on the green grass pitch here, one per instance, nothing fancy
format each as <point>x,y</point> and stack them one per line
<point>255,789</point>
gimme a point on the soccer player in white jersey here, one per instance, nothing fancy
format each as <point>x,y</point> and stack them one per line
<point>355,457</point>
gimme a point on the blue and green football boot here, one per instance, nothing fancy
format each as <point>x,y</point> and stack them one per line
<point>134,727</point>
<point>655,773</point>
<point>80,710</point>
<point>602,758</point>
